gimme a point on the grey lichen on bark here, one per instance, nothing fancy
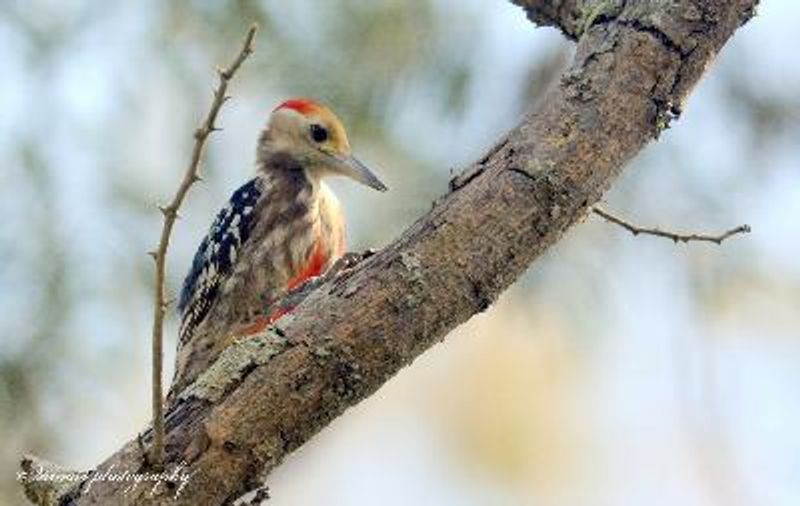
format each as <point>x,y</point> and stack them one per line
<point>632,71</point>
<point>233,364</point>
<point>45,482</point>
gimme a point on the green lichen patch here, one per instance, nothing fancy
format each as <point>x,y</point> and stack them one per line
<point>591,11</point>
<point>233,363</point>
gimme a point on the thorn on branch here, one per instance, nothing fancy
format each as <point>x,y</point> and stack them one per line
<point>675,237</point>
<point>167,211</point>
<point>224,74</point>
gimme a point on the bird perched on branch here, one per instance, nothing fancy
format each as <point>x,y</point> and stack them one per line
<point>279,229</point>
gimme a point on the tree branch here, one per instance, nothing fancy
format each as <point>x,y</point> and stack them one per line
<point>267,395</point>
<point>676,237</point>
<point>170,213</point>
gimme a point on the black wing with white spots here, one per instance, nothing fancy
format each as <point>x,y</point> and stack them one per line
<point>216,257</point>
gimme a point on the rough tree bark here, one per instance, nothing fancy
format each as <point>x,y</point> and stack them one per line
<point>635,64</point>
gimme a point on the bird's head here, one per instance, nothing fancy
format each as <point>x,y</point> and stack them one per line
<point>315,138</point>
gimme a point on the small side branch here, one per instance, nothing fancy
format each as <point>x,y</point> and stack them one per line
<point>170,213</point>
<point>676,237</point>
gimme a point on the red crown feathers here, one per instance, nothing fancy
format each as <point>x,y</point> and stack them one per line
<point>304,106</point>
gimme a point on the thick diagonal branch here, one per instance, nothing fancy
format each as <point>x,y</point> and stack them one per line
<point>266,396</point>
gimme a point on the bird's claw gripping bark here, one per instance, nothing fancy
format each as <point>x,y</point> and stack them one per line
<point>351,259</point>
<point>347,261</point>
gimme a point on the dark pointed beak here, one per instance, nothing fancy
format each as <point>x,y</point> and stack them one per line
<point>353,168</point>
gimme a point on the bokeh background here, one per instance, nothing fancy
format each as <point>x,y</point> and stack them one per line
<point>617,371</point>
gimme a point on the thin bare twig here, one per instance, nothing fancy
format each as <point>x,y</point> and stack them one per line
<point>675,237</point>
<point>170,213</point>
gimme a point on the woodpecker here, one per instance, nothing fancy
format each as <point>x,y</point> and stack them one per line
<point>281,228</point>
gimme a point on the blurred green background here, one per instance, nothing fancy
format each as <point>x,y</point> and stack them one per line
<point>616,371</point>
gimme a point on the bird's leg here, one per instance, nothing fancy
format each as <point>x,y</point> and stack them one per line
<point>343,267</point>
<point>350,260</point>
<point>262,322</point>
<point>347,262</point>
<point>343,264</point>
<point>286,304</point>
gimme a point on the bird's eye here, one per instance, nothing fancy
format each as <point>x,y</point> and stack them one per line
<point>319,133</point>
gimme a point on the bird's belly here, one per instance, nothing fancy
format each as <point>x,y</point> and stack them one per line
<point>277,270</point>
<point>280,260</point>
<point>267,282</point>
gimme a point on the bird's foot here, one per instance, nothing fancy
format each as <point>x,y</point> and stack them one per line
<point>262,322</point>
<point>351,259</point>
